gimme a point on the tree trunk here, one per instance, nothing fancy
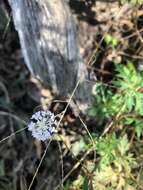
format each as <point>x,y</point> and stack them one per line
<point>49,43</point>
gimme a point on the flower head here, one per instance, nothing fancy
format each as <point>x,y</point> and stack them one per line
<point>42,125</point>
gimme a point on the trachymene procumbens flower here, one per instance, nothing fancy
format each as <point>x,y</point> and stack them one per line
<point>42,125</point>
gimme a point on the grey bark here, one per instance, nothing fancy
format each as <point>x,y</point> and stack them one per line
<point>49,43</point>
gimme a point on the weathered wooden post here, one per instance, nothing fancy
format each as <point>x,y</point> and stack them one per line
<point>48,38</point>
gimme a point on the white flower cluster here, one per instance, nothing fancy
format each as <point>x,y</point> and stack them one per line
<point>42,125</point>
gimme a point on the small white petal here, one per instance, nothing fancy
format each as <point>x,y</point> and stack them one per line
<point>43,113</point>
<point>31,126</point>
<point>37,114</point>
<point>40,117</point>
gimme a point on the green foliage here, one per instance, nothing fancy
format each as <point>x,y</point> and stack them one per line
<point>106,149</point>
<point>110,40</point>
<point>85,184</point>
<point>127,99</point>
<point>116,163</point>
<point>121,104</point>
<point>114,169</point>
<point>105,104</point>
<point>137,123</point>
<point>114,150</point>
<point>129,83</point>
<point>119,150</point>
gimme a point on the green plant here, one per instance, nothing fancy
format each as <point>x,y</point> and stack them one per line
<point>115,166</point>
<point>119,151</point>
<point>110,40</point>
<point>124,96</point>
